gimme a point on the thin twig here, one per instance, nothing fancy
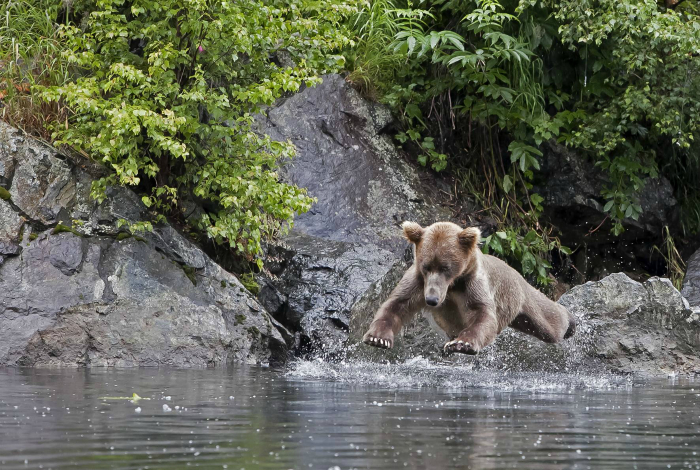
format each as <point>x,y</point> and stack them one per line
<point>599,225</point>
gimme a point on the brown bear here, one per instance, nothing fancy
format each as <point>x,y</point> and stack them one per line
<point>472,296</point>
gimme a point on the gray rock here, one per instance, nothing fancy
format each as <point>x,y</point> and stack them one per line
<point>10,227</point>
<point>343,254</point>
<point>67,252</point>
<point>636,327</point>
<point>363,186</point>
<point>127,305</point>
<point>84,298</point>
<point>691,282</point>
<point>42,183</point>
<point>315,284</point>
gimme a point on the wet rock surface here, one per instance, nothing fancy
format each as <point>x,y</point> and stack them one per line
<point>316,283</point>
<point>365,189</point>
<point>75,290</point>
<point>691,282</point>
<point>636,327</point>
<point>350,242</point>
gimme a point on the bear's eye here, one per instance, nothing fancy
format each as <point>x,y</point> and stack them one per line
<point>444,269</point>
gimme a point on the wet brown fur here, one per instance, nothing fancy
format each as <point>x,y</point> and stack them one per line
<point>477,295</point>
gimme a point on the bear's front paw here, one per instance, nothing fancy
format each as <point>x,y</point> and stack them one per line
<point>459,346</point>
<point>379,335</point>
<point>378,342</point>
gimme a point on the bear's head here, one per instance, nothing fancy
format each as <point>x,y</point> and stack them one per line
<point>444,252</point>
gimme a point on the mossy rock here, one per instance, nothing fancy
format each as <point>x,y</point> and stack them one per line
<point>60,228</point>
<point>190,273</point>
<point>240,318</point>
<point>123,236</point>
<point>249,282</point>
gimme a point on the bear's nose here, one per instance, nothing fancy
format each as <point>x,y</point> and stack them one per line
<point>432,301</point>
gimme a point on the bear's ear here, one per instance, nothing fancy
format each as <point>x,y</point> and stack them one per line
<point>469,237</point>
<point>412,231</point>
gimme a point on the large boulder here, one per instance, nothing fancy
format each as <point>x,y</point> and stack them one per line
<point>314,284</point>
<point>691,282</point>
<point>76,290</point>
<point>636,327</point>
<point>364,187</point>
<point>351,240</point>
<point>624,326</point>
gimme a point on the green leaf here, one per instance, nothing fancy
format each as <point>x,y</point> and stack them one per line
<point>528,262</point>
<point>507,184</point>
<point>411,41</point>
<point>434,39</point>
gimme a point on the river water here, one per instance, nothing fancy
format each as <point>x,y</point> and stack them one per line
<point>316,415</point>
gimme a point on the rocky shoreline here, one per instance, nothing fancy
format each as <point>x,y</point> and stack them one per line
<point>76,290</point>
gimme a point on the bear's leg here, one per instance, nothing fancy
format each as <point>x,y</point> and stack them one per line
<point>403,303</point>
<point>545,320</point>
<point>480,331</point>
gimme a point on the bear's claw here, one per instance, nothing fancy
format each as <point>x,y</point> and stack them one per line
<point>459,346</point>
<point>378,342</point>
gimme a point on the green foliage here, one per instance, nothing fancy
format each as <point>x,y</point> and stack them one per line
<point>5,194</point>
<point>675,266</point>
<point>30,54</point>
<point>191,274</point>
<point>141,226</point>
<point>249,282</point>
<point>640,94</point>
<point>480,71</point>
<point>371,66</point>
<point>530,251</point>
<point>166,96</point>
<point>60,228</point>
<point>492,80</point>
<point>468,73</point>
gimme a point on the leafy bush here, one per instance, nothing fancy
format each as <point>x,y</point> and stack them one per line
<point>30,54</point>
<point>371,66</point>
<point>166,95</point>
<point>530,251</point>
<point>639,97</point>
<point>481,84</point>
<point>468,75</point>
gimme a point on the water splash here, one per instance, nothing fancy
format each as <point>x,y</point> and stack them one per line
<point>420,372</point>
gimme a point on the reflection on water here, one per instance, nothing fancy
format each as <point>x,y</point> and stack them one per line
<point>319,416</point>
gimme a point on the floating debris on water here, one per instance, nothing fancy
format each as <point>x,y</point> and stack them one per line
<point>133,398</point>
